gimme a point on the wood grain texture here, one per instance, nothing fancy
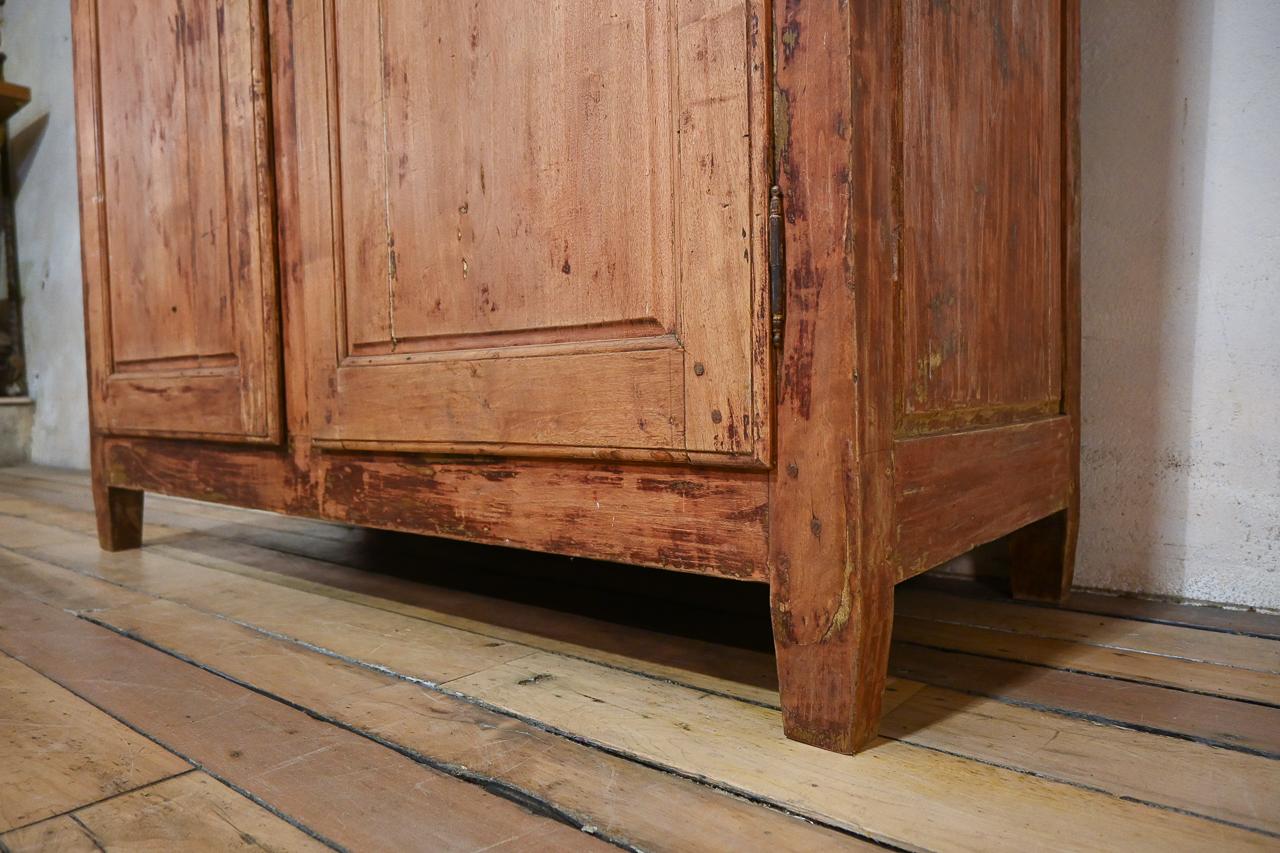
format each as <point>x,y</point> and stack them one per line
<point>720,204</point>
<point>348,789</point>
<point>831,578</point>
<point>277,549</point>
<point>1172,641</point>
<point>257,658</point>
<point>18,529</point>
<point>1049,745</point>
<point>1042,554</point>
<point>58,752</point>
<point>541,279</point>
<point>1077,692</point>
<point>923,240</point>
<point>119,519</point>
<point>650,515</point>
<point>118,510</point>
<point>1046,553</point>
<point>432,652</point>
<point>1154,769</point>
<point>955,721</point>
<point>59,834</point>
<point>955,491</point>
<point>259,478</point>
<point>1163,610</point>
<point>1196,676</point>
<point>176,218</point>
<point>692,731</point>
<point>631,399</point>
<point>625,801</point>
<point>981,295</point>
<point>1054,747</point>
<point>188,810</point>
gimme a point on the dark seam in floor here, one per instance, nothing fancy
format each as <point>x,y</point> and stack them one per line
<point>297,824</point>
<point>543,726</point>
<point>1127,679</point>
<point>97,845</point>
<point>1121,724</point>
<point>450,769</point>
<point>570,736</point>
<point>100,800</point>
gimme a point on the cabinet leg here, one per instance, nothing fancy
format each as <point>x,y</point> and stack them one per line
<point>832,689</point>
<point>119,513</point>
<point>1042,558</point>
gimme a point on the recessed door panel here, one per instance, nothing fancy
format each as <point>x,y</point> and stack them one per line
<point>545,223</point>
<point>982,181</point>
<point>176,217</point>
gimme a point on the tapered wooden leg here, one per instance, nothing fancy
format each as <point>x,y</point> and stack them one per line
<point>1042,558</point>
<point>832,689</point>
<point>119,513</point>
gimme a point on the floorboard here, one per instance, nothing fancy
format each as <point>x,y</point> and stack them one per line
<point>1104,724</point>
<point>343,787</point>
<point>191,810</point>
<point>58,752</point>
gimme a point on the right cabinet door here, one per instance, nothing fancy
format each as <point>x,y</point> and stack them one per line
<point>534,227</point>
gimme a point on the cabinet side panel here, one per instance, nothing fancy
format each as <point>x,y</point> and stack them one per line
<point>987,328</point>
<point>980,314</point>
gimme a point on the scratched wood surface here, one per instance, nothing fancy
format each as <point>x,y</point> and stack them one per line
<point>981,156</point>
<point>344,787</point>
<point>657,739</point>
<point>176,217</point>
<point>58,752</point>
<point>185,812</point>
<point>649,515</point>
<point>546,226</point>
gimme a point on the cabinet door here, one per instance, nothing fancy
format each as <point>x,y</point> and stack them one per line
<point>533,227</point>
<point>176,218</point>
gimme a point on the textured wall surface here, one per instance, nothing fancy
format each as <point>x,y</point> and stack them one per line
<point>1181,118</point>
<point>36,36</point>
<point>1181,280</point>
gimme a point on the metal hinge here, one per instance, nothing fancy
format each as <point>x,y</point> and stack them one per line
<point>777,268</point>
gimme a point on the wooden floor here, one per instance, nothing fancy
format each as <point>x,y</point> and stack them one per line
<point>251,680</point>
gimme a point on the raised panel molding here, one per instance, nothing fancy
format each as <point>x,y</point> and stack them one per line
<point>576,230</point>
<point>177,218</point>
<point>980,335</point>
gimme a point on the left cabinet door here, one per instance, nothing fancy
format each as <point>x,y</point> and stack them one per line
<point>176,218</point>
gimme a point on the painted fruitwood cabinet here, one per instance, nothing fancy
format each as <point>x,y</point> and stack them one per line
<point>781,292</point>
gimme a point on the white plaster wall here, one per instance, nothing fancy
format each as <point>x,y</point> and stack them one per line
<point>1181,281</point>
<point>1181,242</point>
<point>36,36</point>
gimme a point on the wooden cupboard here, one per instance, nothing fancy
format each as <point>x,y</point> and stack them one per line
<point>780,292</point>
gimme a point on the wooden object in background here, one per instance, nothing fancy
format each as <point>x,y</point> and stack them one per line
<point>529,302</point>
<point>12,98</point>
<point>13,370</point>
